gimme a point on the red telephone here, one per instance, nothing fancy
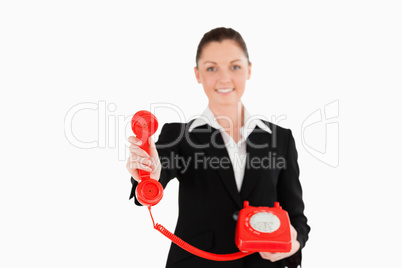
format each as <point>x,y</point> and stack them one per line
<point>149,191</point>
<point>261,229</point>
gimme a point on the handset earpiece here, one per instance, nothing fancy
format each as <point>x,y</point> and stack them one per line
<point>149,191</point>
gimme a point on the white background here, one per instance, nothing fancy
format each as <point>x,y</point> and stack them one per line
<point>65,206</point>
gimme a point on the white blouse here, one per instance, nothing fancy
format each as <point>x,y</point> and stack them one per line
<point>236,151</point>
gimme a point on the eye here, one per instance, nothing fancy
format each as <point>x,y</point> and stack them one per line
<point>211,69</point>
<point>235,67</point>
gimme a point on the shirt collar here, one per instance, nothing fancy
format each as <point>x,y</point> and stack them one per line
<point>250,122</point>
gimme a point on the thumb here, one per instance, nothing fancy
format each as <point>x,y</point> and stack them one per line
<point>152,148</point>
<point>153,153</point>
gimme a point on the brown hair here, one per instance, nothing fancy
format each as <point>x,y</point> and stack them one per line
<point>218,35</point>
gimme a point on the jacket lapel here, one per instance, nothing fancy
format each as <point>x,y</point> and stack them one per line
<point>212,137</point>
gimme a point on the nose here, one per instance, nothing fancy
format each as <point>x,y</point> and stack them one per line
<point>224,77</point>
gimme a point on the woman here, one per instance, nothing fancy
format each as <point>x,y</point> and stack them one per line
<point>227,152</point>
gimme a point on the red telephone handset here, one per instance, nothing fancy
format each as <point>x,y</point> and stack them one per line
<point>262,229</point>
<point>149,191</point>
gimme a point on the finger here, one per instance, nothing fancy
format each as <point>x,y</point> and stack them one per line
<point>139,159</point>
<point>273,257</point>
<point>276,257</point>
<point>136,165</point>
<point>135,150</point>
<point>266,255</point>
<point>152,148</point>
<point>133,172</point>
<point>144,161</point>
<point>134,140</point>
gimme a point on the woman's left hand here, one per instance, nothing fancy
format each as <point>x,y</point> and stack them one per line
<point>276,256</point>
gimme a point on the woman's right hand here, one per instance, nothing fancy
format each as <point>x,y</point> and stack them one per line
<point>140,159</point>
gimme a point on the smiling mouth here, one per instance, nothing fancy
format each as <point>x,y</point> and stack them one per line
<point>224,90</point>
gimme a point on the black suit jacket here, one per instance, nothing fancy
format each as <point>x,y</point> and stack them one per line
<point>208,196</point>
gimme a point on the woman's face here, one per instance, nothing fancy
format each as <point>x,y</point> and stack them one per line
<point>223,70</point>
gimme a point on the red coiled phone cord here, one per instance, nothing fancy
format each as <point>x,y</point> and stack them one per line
<point>194,250</point>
